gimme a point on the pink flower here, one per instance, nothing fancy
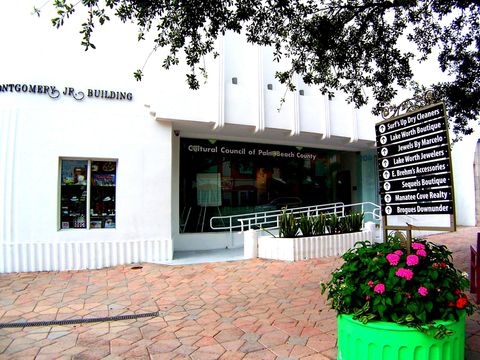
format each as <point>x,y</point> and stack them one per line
<point>412,260</point>
<point>370,283</point>
<point>398,252</point>
<point>367,297</point>
<point>421,253</point>
<point>393,259</point>
<point>379,288</point>
<point>407,274</point>
<point>422,291</point>
<point>418,246</point>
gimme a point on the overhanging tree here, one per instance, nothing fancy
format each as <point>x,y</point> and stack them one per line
<point>338,45</point>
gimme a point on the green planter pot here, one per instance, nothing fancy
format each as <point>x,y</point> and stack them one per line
<point>379,340</point>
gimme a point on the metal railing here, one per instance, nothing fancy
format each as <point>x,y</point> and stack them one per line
<point>270,219</point>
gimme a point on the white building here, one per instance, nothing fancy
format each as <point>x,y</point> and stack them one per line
<point>97,169</point>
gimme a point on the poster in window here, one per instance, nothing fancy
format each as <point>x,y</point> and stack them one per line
<point>74,172</point>
<point>209,191</point>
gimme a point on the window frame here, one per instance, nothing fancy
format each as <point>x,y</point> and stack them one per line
<point>89,161</point>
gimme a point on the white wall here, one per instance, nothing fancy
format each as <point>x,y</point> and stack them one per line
<point>463,155</point>
<point>36,131</point>
<point>248,109</point>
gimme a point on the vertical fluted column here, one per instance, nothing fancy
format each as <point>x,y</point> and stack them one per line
<point>8,130</point>
<point>325,121</point>
<point>260,123</point>
<point>221,85</point>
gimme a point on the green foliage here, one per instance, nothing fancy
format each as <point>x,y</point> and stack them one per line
<point>306,224</point>
<point>319,224</point>
<point>333,224</point>
<point>356,221</point>
<point>382,282</point>
<point>351,223</point>
<point>288,225</point>
<point>344,224</point>
<point>138,74</point>
<point>336,45</point>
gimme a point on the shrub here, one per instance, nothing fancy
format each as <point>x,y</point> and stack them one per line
<point>305,224</point>
<point>344,224</point>
<point>288,225</point>
<point>388,282</point>
<point>356,221</point>
<point>319,224</point>
<point>333,224</point>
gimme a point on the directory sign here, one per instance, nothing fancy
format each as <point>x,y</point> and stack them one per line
<point>414,163</point>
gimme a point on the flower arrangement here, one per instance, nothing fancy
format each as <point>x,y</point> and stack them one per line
<point>411,286</point>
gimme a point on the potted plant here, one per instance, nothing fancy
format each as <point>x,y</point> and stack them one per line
<point>399,301</point>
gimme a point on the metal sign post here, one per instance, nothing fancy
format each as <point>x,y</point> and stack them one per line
<point>415,167</point>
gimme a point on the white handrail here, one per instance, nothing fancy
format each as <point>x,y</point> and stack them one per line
<point>263,218</point>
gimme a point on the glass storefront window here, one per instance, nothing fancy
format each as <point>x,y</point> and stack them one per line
<point>220,178</point>
<point>87,184</point>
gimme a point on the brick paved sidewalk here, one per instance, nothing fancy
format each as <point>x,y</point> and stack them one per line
<point>251,309</point>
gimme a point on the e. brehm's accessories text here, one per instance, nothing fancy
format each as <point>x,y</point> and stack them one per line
<point>53,92</point>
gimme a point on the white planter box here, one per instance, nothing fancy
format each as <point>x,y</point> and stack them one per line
<point>302,248</point>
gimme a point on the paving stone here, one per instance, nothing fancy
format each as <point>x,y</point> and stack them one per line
<point>232,355</point>
<point>229,335</point>
<point>473,343</point>
<point>50,336</point>
<point>18,345</point>
<point>316,357</point>
<point>273,338</point>
<point>282,351</point>
<point>251,336</point>
<point>250,346</point>
<point>206,341</point>
<point>185,349</point>
<point>200,355</point>
<point>297,340</point>
<point>300,351</point>
<point>330,353</point>
<point>260,355</point>
<point>252,309</point>
<point>233,346</point>
<point>164,346</point>
<point>226,319</point>
<point>28,353</point>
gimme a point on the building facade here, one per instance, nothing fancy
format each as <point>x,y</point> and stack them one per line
<point>98,170</point>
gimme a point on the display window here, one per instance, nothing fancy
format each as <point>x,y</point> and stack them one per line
<point>87,194</point>
<point>220,178</point>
